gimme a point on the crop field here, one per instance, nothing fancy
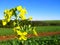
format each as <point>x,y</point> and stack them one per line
<point>43,40</point>
<point>52,21</point>
<point>21,24</point>
<point>46,40</point>
<point>48,28</point>
<point>6,31</point>
<point>9,31</point>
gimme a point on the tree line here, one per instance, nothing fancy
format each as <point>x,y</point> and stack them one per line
<point>33,23</point>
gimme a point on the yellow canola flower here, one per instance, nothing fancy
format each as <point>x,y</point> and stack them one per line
<point>14,23</point>
<point>22,14</point>
<point>4,22</point>
<point>8,20</point>
<point>23,18</point>
<point>10,13</point>
<point>6,11</point>
<point>5,17</point>
<point>22,38</point>
<point>22,35</point>
<point>19,8</point>
<point>16,28</point>
<point>23,11</point>
<point>30,18</point>
<point>35,32</point>
<point>19,32</point>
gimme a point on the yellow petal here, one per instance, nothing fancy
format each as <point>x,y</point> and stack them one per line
<point>20,38</point>
<point>24,33</point>
<point>14,23</point>
<point>24,38</point>
<point>23,17</point>
<point>23,11</point>
<point>6,11</point>
<point>8,19</point>
<point>19,33</point>
<point>30,18</point>
<point>4,22</point>
<point>11,12</point>
<point>19,8</point>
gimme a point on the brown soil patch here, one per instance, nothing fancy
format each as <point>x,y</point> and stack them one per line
<point>29,35</point>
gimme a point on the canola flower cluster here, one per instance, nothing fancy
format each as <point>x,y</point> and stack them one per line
<point>20,30</point>
<point>7,16</point>
<point>21,35</point>
<point>22,12</point>
<point>9,13</point>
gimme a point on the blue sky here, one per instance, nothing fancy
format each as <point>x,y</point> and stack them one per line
<point>38,9</point>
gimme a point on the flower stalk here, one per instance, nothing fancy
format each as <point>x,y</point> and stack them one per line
<point>21,23</point>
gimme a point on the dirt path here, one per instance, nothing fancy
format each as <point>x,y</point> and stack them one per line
<point>29,36</point>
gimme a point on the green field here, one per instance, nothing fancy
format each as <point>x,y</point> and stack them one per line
<point>9,31</point>
<point>52,21</point>
<point>6,31</point>
<point>48,28</point>
<point>47,40</point>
